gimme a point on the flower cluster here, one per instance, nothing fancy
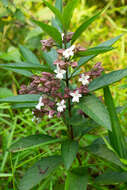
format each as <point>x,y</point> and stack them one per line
<point>53,100</point>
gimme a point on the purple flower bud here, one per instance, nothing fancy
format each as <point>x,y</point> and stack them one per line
<point>40,89</point>
<point>59,114</point>
<point>83,90</point>
<point>47,74</point>
<point>66,96</point>
<point>54,89</point>
<point>59,95</point>
<point>37,81</point>
<point>46,44</point>
<point>51,113</point>
<point>32,92</point>
<point>74,64</point>
<point>42,79</point>
<point>48,84</point>
<point>51,104</point>
<point>80,48</point>
<point>60,51</point>
<point>69,36</point>
<point>35,77</point>
<point>46,90</point>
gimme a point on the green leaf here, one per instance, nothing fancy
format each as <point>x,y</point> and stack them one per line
<point>69,150</point>
<point>103,152</point>
<point>21,98</point>
<point>27,66</point>
<point>34,33</point>
<point>19,71</point>
<point>111,177</point>
<point>77,179</point>
<point>28,55</point>
<point>84,60</point>
<point>96,110</point>
<point>24,105</point>
<point>54,10</point>
<point>117,138</point>
<point>95,50</point>
<point>32,142</point>
<point>51,31</point>
<point>107,79</point>
<point>39,171</point>
<point>59,5</point>
<point>80,124</point>
<point>84,129</point>
<point>50,57</point>
<point>12,54</point>
<point>110,42</point>
<point>83,27</point>
<point>68,12</point>
<point>5,92</point>
<point>57,25</point>
<point>55,22</point>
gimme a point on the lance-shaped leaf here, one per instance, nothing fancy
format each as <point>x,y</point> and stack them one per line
<point>19,71</point>
<point>110,177</point>
<point>54,10</point>
<point>68,12</point>
<point>27,66</point>
<point>77,179</point>
<point>50,57</point>
<point>81,125</point>
<point>69,150</point>
<point>96,110</point>
<point>59,5</point>
<point>39,171</point>
<point>84,60</point>
<point>103,152</point>
<point>51,31</point>
<point>95,50</point>
<point>55,22</point>
<point>24,105</point>
<point>21,98</point>
<point>32,142</point>
<point>117,138</point>
<point>107,79</point>
<point>83,27</point>
<point>28,55</point>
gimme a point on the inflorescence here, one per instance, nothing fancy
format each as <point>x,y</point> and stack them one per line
<point>53,99</point>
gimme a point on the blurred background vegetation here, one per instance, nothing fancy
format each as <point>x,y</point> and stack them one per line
<point>17,28</point>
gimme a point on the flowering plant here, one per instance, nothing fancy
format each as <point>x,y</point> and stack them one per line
<point>65,89</point>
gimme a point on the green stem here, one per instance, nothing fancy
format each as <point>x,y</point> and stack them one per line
<point>70,128</point>
<point>67,85</point>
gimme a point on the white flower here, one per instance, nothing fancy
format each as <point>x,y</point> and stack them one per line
<point>69,52</point>
<point>75,96</point>
<point>84,79</point>
<point>59,72</point>
<point>61,106</point>
<point>62,35</point>
<point>40,104</point>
